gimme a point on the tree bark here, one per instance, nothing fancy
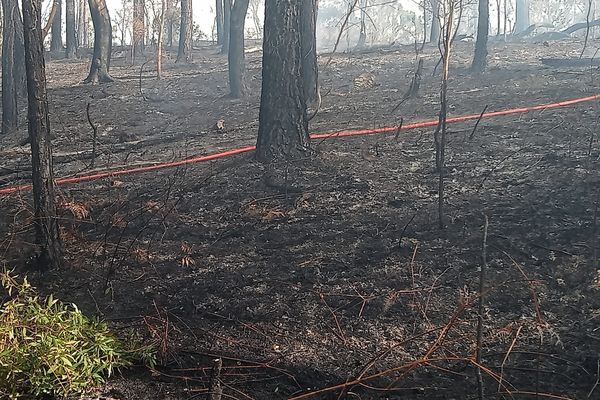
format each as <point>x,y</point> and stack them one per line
<point>483,23</point>
<point>56,42</point>
<point>226,25</point>
<point>362,37</point>
<point>159,44</point>
<point>184,53</point>
<point>283,124</point>
<point>82,24</point>
<point>219,21</point>
<point>139,28</point>
<point>10,115</point>
<point>100,65</point>
<point>236,48</point>
<point>53,11</point>
<point>435,22</point>
<point>49,249</point>
<point>522,21</point>
<point>310,68</point>
<point>71,51</point>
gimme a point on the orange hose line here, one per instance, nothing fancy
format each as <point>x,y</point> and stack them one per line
<point>347,133</point>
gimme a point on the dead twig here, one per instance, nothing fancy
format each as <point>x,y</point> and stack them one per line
<point>94,136</point>
<point>478,121</point>
<point>480,308</point>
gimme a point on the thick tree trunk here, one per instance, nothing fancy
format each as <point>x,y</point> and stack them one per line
<point>522,21</point>
<point>71,51</point>
<point>100,65</point>
<point>219,21</point>
<point>226,25</point>
<point>483,23</point>
<point>236,48</point>
<point>139,28</point>
<point>435,22</point>
<point>184,53</point>
<point>10,118</point>
<point>310,69</point>
<point>56,42</point>
<point>49,249</point>
<point>283,124</point>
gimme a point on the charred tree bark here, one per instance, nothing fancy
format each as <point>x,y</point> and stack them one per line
<point>10,115</point>
<point>219,21</point>
<point>481,51</point>
<point>49,249</point>
<point>283,124</point>
<point>100,65</point>
<point>310,69</point>
<point>236,49</point>
<point>435,22</point>
<point>226,25</point>
<point>139,28</point>
<point>71,51</point>
<point>56,42</point>
<point>184,53</point>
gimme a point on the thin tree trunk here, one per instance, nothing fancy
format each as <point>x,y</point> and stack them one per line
<point>236,49</point>
<point>49,249</point>
<point>100,65</point>
<point>498,17</point>
<point>310,69</point>
<point>159,49</point>
<point>53,11</point>
<point>362,38</point>
<point>71,51</point>
<point>220,21</point>
<point>56,42</point>
<point>184,53</point>
<point>283,123</point>
<point>139,28</point>
<point>10,118</point>
<point>483,23</point>
<point>226,25</point>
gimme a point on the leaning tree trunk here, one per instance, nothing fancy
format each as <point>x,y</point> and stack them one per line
<point>236,48</point>
<point>100,65</point>
<point>139,28</point>
<point>56,43</point>
<point>184,53</point>
<point>483,23</point>
<point>310,70</point>
<point>219,21</point>
<point>435,22</point>
<point>226,25</point>
<point>71,50</point>
<point>48,251</point>
<point>283,124</point>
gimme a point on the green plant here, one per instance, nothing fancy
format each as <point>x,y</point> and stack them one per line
<point>50,348</point>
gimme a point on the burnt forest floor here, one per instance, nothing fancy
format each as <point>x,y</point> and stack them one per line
<point>342,272</point>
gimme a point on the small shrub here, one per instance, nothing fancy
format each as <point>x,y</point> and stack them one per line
<point>50,348</point>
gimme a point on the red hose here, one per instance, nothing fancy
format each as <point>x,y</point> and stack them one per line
<point>347,133</point>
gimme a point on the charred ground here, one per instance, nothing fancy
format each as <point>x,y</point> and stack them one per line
<point>305,284</point>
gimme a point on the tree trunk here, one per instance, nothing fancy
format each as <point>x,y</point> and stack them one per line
<point>184,53</point>
<point>483,23</point>
<point>71,51</point>
<point>82,25</point>
<point>283,124</point>
<point>49,249</point>
<point>362,38</point>
<point>56,43</point>
<point>100,65</point>
<point>236,48</point>
<point>310,68</point>
<point>498,17</point>
<point>139,28</point>
<point>220,21</point>
<point>10,118</point>
<point>522,16</point>
<point>53,11</point>
<point>226,25</point>
<point>435,22</point>
<point>159,44</point>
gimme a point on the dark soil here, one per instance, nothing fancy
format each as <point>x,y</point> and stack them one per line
<point>340,270</point>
